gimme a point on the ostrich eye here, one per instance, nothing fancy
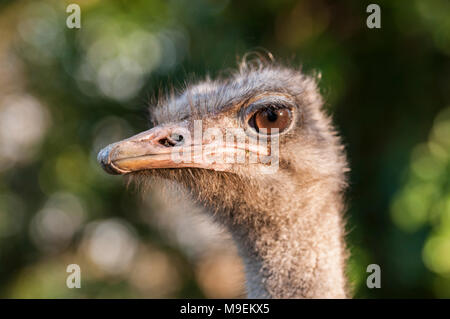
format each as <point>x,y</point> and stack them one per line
<point>271,118</point>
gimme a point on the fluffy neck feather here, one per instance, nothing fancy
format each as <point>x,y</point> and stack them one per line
<point>299,257</point>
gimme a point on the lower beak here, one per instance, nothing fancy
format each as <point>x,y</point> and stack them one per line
<point>161,147</point>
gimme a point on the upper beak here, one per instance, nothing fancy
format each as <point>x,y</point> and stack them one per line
<point>146,150</point>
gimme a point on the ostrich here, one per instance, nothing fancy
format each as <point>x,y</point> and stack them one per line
<point>287,223</point>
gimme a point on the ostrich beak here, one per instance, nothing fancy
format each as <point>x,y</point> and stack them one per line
<point>168,147</point>
<point>154,148</point>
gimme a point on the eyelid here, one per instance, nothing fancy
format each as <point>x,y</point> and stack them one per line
<point>262,103</point>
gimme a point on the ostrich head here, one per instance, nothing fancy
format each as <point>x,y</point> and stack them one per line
<point>258,150</point>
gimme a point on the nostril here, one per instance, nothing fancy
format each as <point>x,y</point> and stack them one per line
<point>173,140</point>
<point>177,137</point>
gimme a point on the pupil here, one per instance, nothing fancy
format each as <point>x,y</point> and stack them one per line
<point>272,116</point>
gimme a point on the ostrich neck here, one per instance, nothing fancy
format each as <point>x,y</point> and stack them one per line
<point>300,255</point>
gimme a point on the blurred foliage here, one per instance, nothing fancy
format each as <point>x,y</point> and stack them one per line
<point>65,93</point>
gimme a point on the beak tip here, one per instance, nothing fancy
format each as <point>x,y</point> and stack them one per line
<point>104,160</point>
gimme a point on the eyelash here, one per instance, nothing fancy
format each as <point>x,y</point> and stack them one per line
<point>252,109</point>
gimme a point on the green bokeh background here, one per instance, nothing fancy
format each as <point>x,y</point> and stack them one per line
<point>64,93</point>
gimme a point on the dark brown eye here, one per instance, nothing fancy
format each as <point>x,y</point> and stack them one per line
<point>272,118</point>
